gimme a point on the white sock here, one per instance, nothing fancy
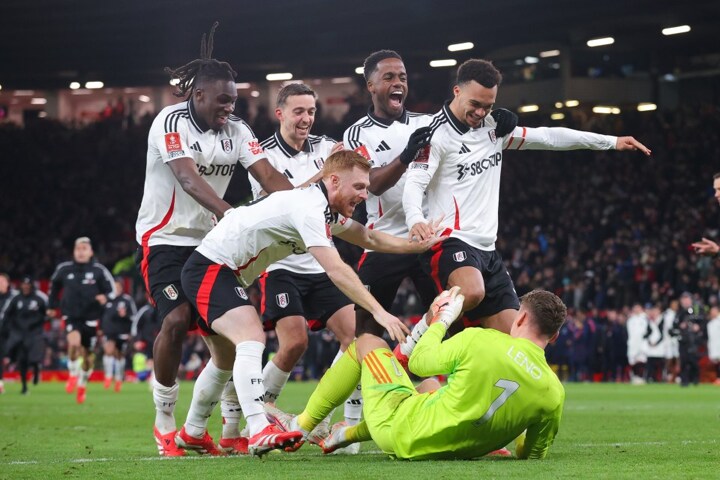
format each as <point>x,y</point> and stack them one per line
<point>231,411</point>
<point>274,380</point>
<point>353,407</point>
<point>206,394</point>
<point>74,367</point>
<point>119,369</point>
<point>108,364</point>
<point>165,399</point>
<point>83,377</point>
<point>247,375</point>
<point>412,339</point>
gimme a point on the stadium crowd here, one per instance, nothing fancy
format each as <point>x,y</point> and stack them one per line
<point>614,234</point>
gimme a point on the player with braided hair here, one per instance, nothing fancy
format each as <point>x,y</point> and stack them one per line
<point>193,148</point>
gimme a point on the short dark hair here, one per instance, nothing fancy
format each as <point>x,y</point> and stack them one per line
<point>482,71</point>
<point>716,176</point>
<point>201,69</point>
<point>293,89</point>
<point>546,310</point>
<point>371,62</point>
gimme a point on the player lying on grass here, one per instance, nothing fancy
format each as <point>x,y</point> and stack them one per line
<point>499,386</point>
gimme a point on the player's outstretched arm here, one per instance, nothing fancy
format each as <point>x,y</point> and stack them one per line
<point>348,282</point>
<point>364,237</point>
<point>561,138</point>
<point>187,176</point>
<point>269,178</point>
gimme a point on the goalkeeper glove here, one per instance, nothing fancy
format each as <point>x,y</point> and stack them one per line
<point>418,139</point>
<point>505,121</point>
<point>447,307</point>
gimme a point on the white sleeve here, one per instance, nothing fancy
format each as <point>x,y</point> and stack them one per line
<point>171,139</point>
<point>314,231</point>
<point>250,149</point>
<point>419,174</point>
<point>557,138</point>
<point>341,225</point>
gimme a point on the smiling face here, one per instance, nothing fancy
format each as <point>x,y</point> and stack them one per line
<point>214,101</point>
<point>296,118</point>
<point>388,87</point>
<point>347,189</point>
<point>472,102</point>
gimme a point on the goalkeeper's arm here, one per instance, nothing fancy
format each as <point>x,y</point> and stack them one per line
<point>431,355</point>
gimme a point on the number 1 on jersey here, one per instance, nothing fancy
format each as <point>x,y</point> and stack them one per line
<point>508,388</point>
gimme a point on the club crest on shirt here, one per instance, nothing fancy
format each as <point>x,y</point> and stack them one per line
<point>459,256</point>
<point>241,293</point>
<point>170,292</point>
<point>282,299</point>
<point>493,136</point>
<point>227,145</point>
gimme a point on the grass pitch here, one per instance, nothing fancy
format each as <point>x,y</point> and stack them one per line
<point>608,431</point>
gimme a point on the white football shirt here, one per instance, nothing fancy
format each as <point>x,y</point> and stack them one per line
<point>461,175</point>
<point>298,167</point>
<point>251,238</point>
<point>380,142</point>
<point>168,215</point>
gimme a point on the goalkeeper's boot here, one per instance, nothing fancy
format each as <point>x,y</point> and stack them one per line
<point>166,444</point>
<point>234,446</point>
<point>289,422</point>
<point>270,438</point>
<point>107,383</point>
<point>118,386</point>
<point>203,446</point>
<point>336,439</point>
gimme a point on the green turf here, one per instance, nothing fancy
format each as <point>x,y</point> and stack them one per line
<point>608,431</point>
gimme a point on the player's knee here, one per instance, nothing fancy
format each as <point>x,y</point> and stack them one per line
<point>175,325</point>
<point>295,348</point>
<point>473,297</point>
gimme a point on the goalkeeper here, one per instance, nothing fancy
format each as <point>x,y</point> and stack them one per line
<point>499,387</point>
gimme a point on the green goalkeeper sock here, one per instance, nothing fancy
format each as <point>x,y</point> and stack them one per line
<point>335,386</point>
<point>358,433</point>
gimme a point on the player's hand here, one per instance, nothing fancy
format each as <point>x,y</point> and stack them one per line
<point>447,307</point>
<point>418,139</point>
<point>421,232</point>
<point>706,247</point>
<point>629,143</point>
<point>505,121</point>
<point>338,147</point>
<point>397,329</point>
<point>101,299</point>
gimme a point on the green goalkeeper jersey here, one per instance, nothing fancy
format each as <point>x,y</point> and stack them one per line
<point>498,386</point>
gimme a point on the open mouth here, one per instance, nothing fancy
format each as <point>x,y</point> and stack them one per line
<point>222,119</point>
<point>396,98</point>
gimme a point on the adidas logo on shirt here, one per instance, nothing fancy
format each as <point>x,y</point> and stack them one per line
<point>196,146</point>
<point>464,149</point>
<point>383,147</point>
